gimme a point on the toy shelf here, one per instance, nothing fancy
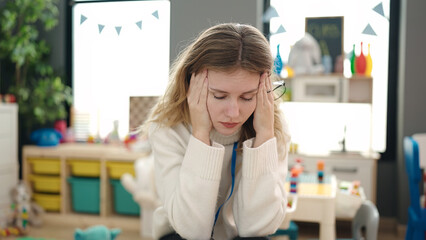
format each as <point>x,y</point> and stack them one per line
<point>70,160</point>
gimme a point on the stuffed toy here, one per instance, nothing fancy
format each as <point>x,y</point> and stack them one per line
<point>143,189</point>
<point>305,56</point>
<point>24,211</point>
<point>98,232</point>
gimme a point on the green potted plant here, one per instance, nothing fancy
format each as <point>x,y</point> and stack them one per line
<point>40,93</point>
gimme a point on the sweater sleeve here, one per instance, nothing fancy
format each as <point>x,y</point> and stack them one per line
<point>260,204</point>
<point>187,177</point>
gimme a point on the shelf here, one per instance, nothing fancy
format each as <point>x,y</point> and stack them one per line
<point>329,88</point>
<point>64,154</point>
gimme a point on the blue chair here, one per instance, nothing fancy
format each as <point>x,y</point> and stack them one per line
<point>416,226</point>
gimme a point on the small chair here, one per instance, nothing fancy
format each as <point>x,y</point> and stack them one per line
<point>416,226</point>
<point>367,216</point>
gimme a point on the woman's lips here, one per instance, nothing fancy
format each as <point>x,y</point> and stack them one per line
<point>229,125</point>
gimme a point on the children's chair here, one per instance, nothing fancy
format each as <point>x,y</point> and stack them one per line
<point>367,216</point>
<point>416,226</point>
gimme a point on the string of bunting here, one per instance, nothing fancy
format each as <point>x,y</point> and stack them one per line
<point>101,27</point>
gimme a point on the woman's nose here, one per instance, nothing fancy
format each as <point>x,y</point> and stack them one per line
<point>233,109</point>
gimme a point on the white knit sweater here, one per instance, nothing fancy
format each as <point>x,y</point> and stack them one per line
<point>193,179</point>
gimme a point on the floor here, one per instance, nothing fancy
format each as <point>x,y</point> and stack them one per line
<point>64,230</point>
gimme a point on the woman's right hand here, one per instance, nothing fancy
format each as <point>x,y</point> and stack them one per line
<point>197,102</point>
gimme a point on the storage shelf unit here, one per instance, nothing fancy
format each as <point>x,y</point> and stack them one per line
<point>8,155</point>
<point>63,160</point>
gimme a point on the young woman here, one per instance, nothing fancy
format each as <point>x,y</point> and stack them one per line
<point>219,143</point>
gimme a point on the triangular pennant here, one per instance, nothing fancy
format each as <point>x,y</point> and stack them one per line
<point>139,24</point>
<point>155,14</point>
<point>101,27</point>
<point>82,19</point>
<point>369,31</point>
<point>118,29</point>
<point>379,9</point>
<point>281,29</point>
<point>270,13</point>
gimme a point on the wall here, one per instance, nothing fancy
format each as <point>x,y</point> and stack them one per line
<point>411,88</point>
<point>189,17</point>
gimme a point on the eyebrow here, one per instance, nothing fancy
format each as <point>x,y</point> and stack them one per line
<point>221,91</point>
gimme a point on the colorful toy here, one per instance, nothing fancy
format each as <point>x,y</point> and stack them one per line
<point>24,211</point>
<point>46,137</point>
<point>294,179</point>
<point>320,168</point>
<point>355,188</point>
<point>98,232</point>
<point>11,231</point>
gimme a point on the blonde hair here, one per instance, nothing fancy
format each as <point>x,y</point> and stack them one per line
<point>224,47</point>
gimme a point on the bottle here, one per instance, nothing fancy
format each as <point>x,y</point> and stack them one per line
<point>369,63</point>
<point>278,62</point>
<point>353,61</point>
<point>361,63</point>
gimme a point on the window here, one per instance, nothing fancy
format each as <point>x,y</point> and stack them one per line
<point>120,49</point>
<point>320,126</point>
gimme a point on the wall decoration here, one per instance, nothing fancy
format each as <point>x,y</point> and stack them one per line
<point>368,30</point>
<point>118,29</point>
<point>281,29</point>
<point>328,31</point>
<point>82,19</point>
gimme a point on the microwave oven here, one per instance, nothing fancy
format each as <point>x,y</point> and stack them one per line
<point>319,88</point>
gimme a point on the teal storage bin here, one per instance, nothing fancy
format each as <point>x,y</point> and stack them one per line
<point>123,200</point>
<point>85,194</point>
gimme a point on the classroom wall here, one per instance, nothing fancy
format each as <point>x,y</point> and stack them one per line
<point>189,17</point>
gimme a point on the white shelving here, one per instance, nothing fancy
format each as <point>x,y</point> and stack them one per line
<point>8,155</point>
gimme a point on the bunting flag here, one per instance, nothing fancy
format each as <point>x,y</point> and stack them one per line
<point>82,19</point>
<point>281,29</point>
<point>139,24</point>
<point>270,13</point>
<point>155,14</point>
<point>118,29</point>
<point>100,27</point>
<point>379,9</point>
<point>368,30</point>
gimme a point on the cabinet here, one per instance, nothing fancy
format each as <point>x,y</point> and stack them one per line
<point>8,154</point>
<point>330,88</point>
<point>346,167</point>
<point>57,165</point>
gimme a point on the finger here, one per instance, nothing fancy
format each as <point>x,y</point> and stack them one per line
<point>261,91</point>
<point>266,89</point>
<point>204,90</point>
<point>269,86</point>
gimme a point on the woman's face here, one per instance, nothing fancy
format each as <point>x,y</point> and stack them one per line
<point>231,99</point>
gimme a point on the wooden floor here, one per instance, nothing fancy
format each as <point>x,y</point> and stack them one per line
<point>62,228</point>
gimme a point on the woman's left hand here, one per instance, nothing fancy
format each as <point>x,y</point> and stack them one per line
<point>263,121</point>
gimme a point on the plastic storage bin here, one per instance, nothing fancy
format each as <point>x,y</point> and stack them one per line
<point>123,200</point>
<point>45,183</point>
<point>85,194</point>
<point>85,168</point>
<point>50,202</point>
<point>116,169</point>
<point>50,166</point>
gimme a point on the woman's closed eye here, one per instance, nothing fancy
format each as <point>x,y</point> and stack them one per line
<point>245,98</point>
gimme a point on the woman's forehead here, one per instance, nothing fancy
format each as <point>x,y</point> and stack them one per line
<point>238,79</point>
